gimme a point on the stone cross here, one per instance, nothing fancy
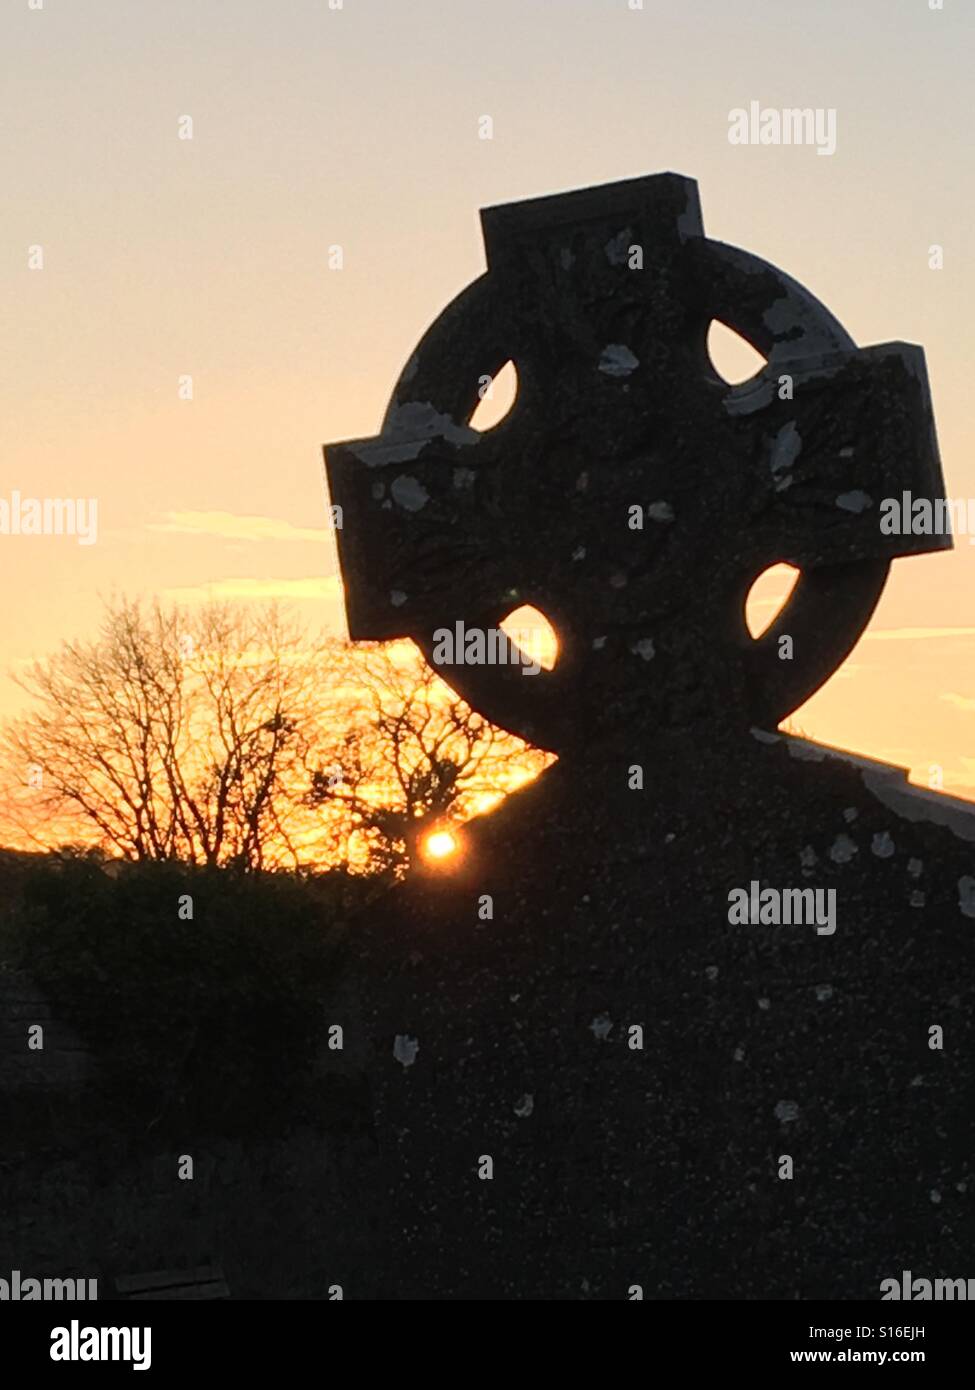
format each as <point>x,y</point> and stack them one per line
<point>631,494</point>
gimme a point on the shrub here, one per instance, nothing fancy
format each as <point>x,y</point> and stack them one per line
<point>213,1022</point>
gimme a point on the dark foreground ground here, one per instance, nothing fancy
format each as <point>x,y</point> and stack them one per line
<point>491,1127</point>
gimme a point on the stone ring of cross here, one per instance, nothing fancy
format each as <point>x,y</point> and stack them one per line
<point>630,494</point>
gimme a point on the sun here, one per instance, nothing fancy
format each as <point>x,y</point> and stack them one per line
<point>439,845</point>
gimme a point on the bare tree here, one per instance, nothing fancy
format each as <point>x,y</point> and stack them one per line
<point>410,755</point>
<point>171,736</point>
<point>226,736</point>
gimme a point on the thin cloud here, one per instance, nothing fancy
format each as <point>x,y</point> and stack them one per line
<point>917,634</point>
<point>232,526</point>
<point>319,587</point>
<point>768,602</point>
<point>959,701</point>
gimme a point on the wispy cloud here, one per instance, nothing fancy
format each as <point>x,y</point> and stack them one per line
<point>959,701</point>
<point>234,527</point>
<point>768,602</point>
<point>319,587</point>
<point>917,634</point>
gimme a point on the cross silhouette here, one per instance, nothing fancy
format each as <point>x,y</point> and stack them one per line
<point>631,494</point>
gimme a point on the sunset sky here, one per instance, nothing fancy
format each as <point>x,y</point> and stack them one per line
<point>358,126</point>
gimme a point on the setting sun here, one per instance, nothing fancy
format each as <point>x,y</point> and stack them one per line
<point>439,845</point>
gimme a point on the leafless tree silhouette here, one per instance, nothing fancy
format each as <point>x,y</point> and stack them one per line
<point>226,736</point>
<point>411,755</point>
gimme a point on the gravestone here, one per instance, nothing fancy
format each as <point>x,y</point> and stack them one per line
<point>600,1085</point>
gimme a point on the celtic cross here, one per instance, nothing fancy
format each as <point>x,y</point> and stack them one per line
<point>602,298</point>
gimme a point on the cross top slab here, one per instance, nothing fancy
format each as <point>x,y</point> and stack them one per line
<point>631,494</point>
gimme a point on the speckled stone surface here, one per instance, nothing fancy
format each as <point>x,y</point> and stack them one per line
<point>521,1147</point>
<point>616,1166</point>
<point>603,299</point>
